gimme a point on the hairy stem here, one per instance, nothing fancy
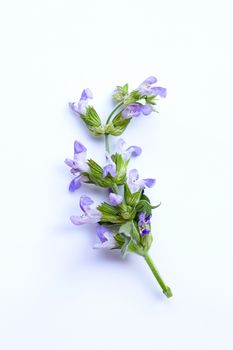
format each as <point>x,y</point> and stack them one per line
<point>166,290</point>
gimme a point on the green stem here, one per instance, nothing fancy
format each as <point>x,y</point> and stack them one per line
<point>113,111</point>
<point>107,147</point>
<point>166,290</point>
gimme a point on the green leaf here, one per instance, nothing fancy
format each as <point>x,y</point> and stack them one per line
<point>110,214</point>
<point>117,126</point>
<point>92,121</point>
<point>108,209</point>
<point>131,198</point>
<point>129,230</point>
<point>134,96</point>
<point>145,206</point>
<point>120,168</point>
<point>95,174</point>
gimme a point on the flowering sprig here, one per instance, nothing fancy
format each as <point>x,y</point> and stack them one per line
<point>124,221</point>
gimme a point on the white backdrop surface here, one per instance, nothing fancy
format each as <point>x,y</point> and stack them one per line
<point>56,292</point>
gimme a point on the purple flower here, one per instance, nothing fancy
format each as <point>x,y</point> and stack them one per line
<point>115,199</point>
<point>127,153</point>
<point>80,107</point>
<point>79,163</point>
<point>135,110</point>
<point>110,167</point>
<point>135,183</point>
<point>147,88</point>
<point>89,216</point>
<point>106,238</point>
<point>144,223</point>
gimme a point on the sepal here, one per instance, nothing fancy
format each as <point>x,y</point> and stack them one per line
<point>132,198</point>
<point>95,174</point>
<point>117,126</point>
<point>92,121</point>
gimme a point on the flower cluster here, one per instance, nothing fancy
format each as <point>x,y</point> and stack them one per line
<point>124,221</point>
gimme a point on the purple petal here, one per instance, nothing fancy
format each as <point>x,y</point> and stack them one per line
<point>75,184</point>
<point>147,219</point>
<point>145,231</point>
<point>150,80</point>
<point>133,175</point>
<point>109,169</point>
<point>81,220</point>
<point>134,151</point>
<point>141,220</point>
<point>69,162</point>
<point>132,110</point>
<point>86,94</point>
<point>100,231</point>
<point>85,202</point>
<point>115,199</point>
<point>159,91</point>
<point>74,107</point>
<point>147,109</point>
<point>78,147</point>
<point>149,182</point>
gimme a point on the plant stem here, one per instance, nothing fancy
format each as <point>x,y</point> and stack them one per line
<point>108,120</point>
<point>166,290</point>
<point>113,111</point>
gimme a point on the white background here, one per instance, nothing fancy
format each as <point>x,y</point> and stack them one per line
<point>56,291</point>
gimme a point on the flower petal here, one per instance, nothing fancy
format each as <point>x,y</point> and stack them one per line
<point>149,182</point>
<point>133,151</point>
<point>100,231</point>
<point>146,109</point>
<point>86,94</point>
<point>159,91</point>
<point>150,80</point>
<point>75,184</point>
<point>109,169</point>
<point>133,175</point>
<point>85,203</point>
<point>79,147</point>
<point>115,199</point>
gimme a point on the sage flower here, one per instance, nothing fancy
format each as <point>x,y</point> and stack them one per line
<point>136,110</point>
<point>115,199</point>
<point>110,167</point>
<point>147,88</point>
<point>80,107</point>
<point>106,238</point>
<point>128,152</point>
<point>89,216</point>
<point>135,183</point>
<point>144,223</point>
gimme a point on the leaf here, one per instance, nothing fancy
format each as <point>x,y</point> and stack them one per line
<point>120,168</point>
<point>117,126</point>
<point>145,206</point>
<point>107,208</point>
<point>129,230</point>
<point>110,214</point>
<point>95,174</point>
<point>131,198</point>
<point>92,121</point>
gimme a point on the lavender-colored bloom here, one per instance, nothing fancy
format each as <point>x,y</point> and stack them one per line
<point>135,183</point>
<point>78,163</point>
<point>127,153</point>
<point>106,238</point>
<point>75,184</point>
<point>135,110</point>
<point>80,107</point>
<point>144,223</point>
<point>89,216</point>
<point>115,199</point>
<point>147,88</point>
<point>110,167</point>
